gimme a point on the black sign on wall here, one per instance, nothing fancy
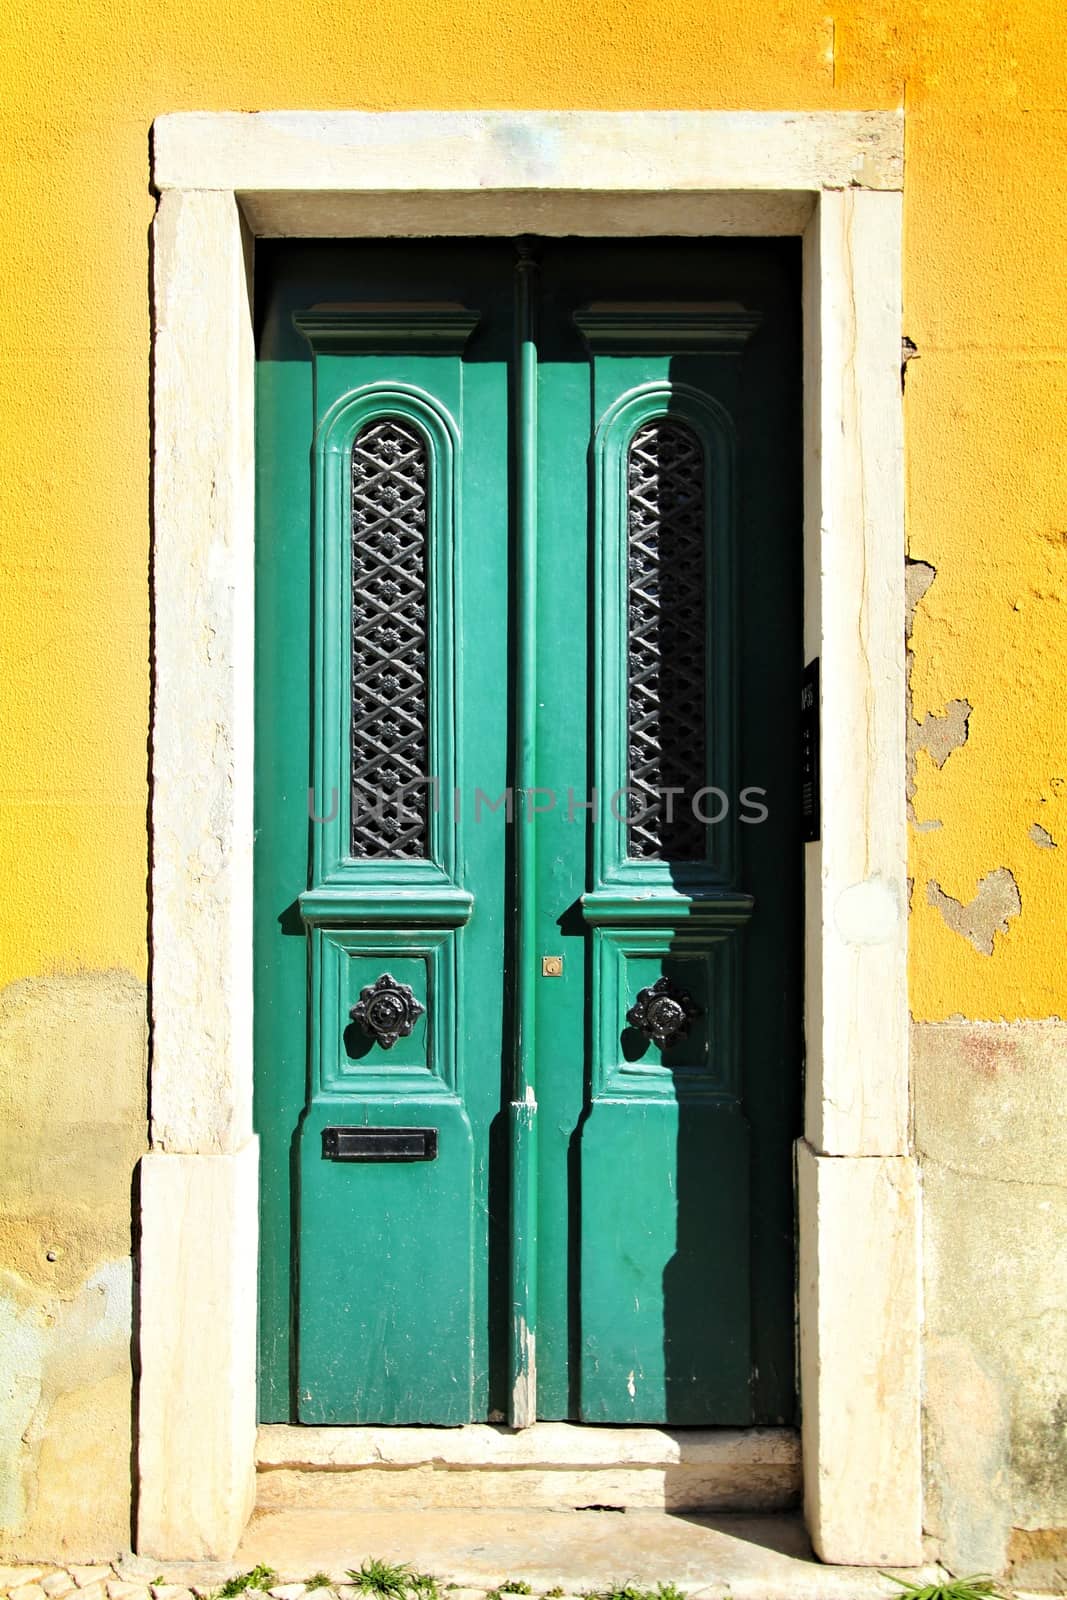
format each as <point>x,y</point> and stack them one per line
<point>809,753</point>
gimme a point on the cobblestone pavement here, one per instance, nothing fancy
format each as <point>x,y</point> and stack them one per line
<point>135,1578</point>
<point>127,1580</point>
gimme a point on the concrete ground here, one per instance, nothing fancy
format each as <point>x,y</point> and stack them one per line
<point>716,1556</point>
<point>748,1557</point>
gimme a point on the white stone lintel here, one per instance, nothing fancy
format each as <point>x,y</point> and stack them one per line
<point>370,153</point>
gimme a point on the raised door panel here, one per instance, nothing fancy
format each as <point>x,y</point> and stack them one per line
<point>665,1149</point>
<point>387,1066</point>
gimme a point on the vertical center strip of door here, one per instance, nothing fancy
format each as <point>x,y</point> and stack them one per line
<point>522,1409</point>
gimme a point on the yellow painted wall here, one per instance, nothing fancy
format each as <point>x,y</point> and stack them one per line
<point>985,91</point>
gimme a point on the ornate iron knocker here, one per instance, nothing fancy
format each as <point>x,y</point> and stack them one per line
<point>663,1012</point>
<point>387,1010</point>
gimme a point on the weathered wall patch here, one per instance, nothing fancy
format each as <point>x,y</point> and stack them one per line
<point>995,904</point>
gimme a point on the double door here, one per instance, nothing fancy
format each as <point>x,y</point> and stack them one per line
<point>527,943</point>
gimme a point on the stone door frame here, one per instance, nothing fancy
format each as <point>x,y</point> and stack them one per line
<point>835,179</point>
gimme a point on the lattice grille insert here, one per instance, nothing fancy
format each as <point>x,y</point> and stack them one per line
<point>666,493</point>
<point>389,667</point>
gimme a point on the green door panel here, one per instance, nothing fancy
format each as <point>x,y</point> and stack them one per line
<point>376,1300</point>
<point>664,1275</point>
<point>381,1243</point>
<point>665,1287</point>
<point>607,1223</point>
<point>386,1276</point>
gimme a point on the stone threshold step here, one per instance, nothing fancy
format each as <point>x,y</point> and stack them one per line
<point>711,1556</point>
<point>550,1466</point>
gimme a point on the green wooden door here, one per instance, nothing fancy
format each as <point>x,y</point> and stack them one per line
<point>527,944</point>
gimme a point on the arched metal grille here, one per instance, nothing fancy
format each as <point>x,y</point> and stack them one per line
<point>667,668</point>
<point>389,654</point>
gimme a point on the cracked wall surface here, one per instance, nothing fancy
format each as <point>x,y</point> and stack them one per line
<point>991,1136</point>
<point>72,1126</point>
<point>985,237</point>
<point>988,582</point>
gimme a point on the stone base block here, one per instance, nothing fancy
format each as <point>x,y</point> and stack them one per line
<point>859,1318</point>
<point>197,1395</point>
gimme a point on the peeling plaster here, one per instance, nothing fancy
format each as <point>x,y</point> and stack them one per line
<point>939,733</point>
<point>1042,838</point>
<point>909,351</point>
<point>918,576</point>
<point>989,913</point>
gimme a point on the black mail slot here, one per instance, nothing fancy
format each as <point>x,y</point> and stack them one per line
<point>379,1144</point>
